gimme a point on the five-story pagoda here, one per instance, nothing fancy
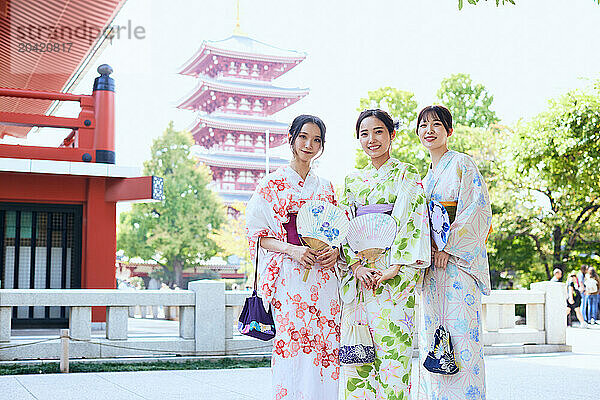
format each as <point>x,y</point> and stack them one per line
<point>235,99</point>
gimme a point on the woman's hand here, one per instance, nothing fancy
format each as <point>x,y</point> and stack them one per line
<point>328,257</point>
<point>366,276</point>
<point>389,273</point>
<point>305,256</point>
<point>440,259</point>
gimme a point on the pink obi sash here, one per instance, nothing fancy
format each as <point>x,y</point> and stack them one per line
<point>292,231</point>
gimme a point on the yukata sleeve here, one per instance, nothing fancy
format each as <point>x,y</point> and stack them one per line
<point>261,222</point>
<point>411,246</point>
<point>469,231</point>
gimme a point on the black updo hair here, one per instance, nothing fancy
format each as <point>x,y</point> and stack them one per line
<point>302,120</point>
<point>439,112</point>
<point>380,115</point>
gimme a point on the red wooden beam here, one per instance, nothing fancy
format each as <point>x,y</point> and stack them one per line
<point>46,153</point>
<point>20,119</point>
<point>140,188</point>
<point>41,95</point>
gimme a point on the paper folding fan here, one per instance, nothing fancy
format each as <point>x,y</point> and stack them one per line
<point>440,224</point>
<point>371,235</point>
<point>321,224</point>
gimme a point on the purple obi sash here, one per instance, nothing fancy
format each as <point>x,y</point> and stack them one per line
<point>375,208</point>
<point>292,231</point>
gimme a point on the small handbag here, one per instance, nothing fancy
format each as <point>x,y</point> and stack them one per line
<point>254,320</point>
<point>356,347</point>
<point>440,360</point>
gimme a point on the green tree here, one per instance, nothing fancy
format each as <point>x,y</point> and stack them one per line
<point>176,232</point>
<point>231,238</point>
<point>556,180</point>
<point>469,103</point>
<point>474,2</point>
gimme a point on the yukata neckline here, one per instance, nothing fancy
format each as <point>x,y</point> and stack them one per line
<point>441,159</point>
<point>300,180</point>
<point>386,165</point>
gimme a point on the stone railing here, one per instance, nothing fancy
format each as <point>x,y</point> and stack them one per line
<point>208,316</point>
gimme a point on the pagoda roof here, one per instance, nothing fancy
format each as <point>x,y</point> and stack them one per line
<point>240,86</point>
<point>239,123</point>
<point>239,160</point>
<point>242,47</point>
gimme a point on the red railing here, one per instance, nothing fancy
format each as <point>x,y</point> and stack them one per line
<point>92,136</point>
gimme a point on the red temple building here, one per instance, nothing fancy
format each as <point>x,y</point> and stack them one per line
<point>58,204</point>
<point>235,98</point>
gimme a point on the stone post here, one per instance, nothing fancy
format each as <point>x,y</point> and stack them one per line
<point>491,317</point>
<point>80,323</point>
<point>209,320</point>
<point>116,322</point>
<point>5,323</point>
<point>555,319</point>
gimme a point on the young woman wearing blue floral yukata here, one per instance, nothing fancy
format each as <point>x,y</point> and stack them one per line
<point>459,274</point>
<point>383,295</point>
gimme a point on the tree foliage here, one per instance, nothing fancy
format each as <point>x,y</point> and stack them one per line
<point>474,2</point>
<point>231,238</point>
<point>556,175</point>
<point>468,102</point>
<point>175,232</point>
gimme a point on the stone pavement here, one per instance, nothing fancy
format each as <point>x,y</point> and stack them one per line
<point>537,376</point>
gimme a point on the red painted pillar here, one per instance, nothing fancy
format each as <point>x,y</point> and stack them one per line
<point>100,242</point>
<point>104,104</point>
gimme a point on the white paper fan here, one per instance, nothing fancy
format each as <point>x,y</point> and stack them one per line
<point>371,231</point>
<point>322,221</point>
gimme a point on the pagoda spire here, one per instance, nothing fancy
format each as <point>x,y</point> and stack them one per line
<point>237,31</point>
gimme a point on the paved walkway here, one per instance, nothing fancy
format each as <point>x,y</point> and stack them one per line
<point>542,376</point>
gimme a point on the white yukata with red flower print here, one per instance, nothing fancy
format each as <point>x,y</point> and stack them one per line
<point>305,363</point>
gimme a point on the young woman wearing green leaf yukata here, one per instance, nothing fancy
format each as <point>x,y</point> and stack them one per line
<point>383,295</point>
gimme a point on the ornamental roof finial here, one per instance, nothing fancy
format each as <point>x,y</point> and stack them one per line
<point>238,30</point>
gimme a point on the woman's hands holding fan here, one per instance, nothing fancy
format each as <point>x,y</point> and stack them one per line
<point>366,276</point>
<point>389,273</point>
<point>305,256</point>
<point>328,257</point>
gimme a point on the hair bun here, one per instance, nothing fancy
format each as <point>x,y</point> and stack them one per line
<point>396,124</point>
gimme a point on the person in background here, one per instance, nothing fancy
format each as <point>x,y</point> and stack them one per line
<point>584,299</point>
<point>557,275</point>
<point>592,290</point>
<point>574,300</point>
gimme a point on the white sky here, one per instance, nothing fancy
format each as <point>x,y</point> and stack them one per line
<point>523,54</point>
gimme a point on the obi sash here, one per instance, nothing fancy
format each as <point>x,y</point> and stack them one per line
<point>450,207</point>
<point>374,208</point>
<point>292,231</point>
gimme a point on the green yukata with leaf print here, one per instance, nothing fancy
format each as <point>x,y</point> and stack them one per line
<point>389,311</point>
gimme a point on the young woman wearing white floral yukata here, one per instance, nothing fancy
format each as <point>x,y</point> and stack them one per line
<point>459,274</point>
<point>384,296</point>
<point>305,363</point>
